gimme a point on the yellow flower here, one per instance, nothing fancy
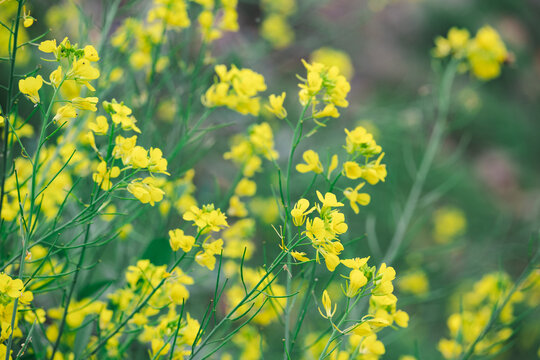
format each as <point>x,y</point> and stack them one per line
<point>329,200</point>
<point>48,46</point>
<point>312,163</point>
<point>56,77</point>
<point>90,53</point>
<point>237,89</point>
<point>83,72</point>
<point>276,105</point>
<point>354,197</point>
<point>207,257</point>
<point>456,43</point>
<point>88,103</point>
<point>352,170</point>
<point>315,229</point>
<point>27,19</point>
<point>329,110</point>
<point>123,147</point>
<point>178,240</point>
<point>121,115</point>
<point>486,53</point>
<point>246,187</point>
<point>157,163</point>
<point>331,260</point>
<point>206,218</point>
<point>359,140</point>
<point>103,176</point>
<point>449,223</point>
<point>146,191</point>
<point>357,280</point>
<point>236,207</point>
<point>415,282</point>
<point>401,318</point>
<point>277,31</point>
<point>139,158</point>
<point>449,349</point>
<point>300,211</point>
<point>374,172</point>
<point>355,263</point>
<point>10,287</point>
<point>30,87</point>
<point>327,305</point>
<point>299,256</point>
<point>100,126</point>
<point>65,112</point>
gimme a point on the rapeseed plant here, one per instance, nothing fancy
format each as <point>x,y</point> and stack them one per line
<point>88,179</point>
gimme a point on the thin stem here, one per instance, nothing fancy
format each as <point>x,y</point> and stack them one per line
<point>8,109</point>
<point>425,166</point>
<point>297,136</point>
<point>71,291</point>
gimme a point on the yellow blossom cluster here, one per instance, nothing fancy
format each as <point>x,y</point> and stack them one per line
<point>153,323</point>
<point>236,89</point>
<point>215,20</point>
<point>133,157</point>
<point>12,290</point>
<point>141,38</point>
<point>323,85</point>
<point>246,150</point>
<point>322,230</point>
<point>275,27</point>
<point>474,312</point>
<point>483,55</point>
<point>359,143</point>
<point>382,312</point>
<point>207,219</point>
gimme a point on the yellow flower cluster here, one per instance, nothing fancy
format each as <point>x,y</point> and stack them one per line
<point>11,290</point>
<point>382,311</point>
<point>246,151</point>
<point>132,156</point>
<point>324,85</point>
<point>322,230</point>
<point>214,20</point>
<point>484,54</point>
<point>140,38</point>
<point>155,323</point>
<point>275,27</point>
<point>476,309</point>
<point>236,89</point>
<point>358,143</point>
<point>207,219</point>
<point>361,143</point>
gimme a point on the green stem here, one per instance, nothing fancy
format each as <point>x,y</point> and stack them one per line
<point>425,166</point>
<point>297,136</point>
<point>273,266</point>
<point>8,110</point>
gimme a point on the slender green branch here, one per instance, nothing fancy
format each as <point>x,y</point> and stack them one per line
<point>425,166</point>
